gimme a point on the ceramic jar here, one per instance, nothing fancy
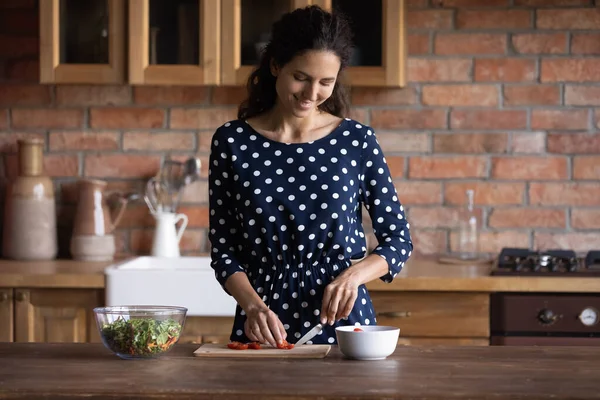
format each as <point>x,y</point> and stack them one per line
<point>29,231</point>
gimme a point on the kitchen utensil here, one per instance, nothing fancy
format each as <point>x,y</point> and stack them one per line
<point>310,334</point>
<point>191,170</point>
<point>220,350</point>
<point>140,331</point>
<point>166,237</point>
<point>372,342</point>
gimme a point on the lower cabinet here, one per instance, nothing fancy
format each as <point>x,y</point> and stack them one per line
<point>49,315</point>
<point>206,330</point>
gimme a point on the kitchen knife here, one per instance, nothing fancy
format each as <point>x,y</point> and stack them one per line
<point>311,334</point>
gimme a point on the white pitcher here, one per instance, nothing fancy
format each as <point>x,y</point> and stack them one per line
<point>166,236</point>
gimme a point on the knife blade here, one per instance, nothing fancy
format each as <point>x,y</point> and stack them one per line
<point>310,334</point>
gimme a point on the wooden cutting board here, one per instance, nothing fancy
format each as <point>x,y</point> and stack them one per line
<point>304,351</point>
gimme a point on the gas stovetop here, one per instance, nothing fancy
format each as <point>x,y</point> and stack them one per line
<point>564,263</point>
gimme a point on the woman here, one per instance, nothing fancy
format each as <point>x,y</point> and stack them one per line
<point>286,184</point>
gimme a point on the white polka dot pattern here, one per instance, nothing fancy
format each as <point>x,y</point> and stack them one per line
<point>289,215</point>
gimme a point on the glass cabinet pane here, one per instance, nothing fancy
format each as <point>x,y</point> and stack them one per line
<point>366,22</point>
<point>174,32</point>
<point>257,18</point>
<point>84,32</point>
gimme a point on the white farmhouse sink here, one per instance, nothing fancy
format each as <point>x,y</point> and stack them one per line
<point>185,281</point>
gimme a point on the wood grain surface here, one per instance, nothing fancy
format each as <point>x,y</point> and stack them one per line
<point>221,351</point>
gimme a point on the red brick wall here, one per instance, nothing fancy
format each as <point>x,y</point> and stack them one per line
<point>504,98</point>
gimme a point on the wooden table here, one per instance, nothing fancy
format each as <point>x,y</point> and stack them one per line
<point>69,371</point>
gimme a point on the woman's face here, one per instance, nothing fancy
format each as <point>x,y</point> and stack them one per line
<point>306,81</point>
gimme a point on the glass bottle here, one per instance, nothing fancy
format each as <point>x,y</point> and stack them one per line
<point>468,231</point>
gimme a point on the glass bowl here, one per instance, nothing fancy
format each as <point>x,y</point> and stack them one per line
<point>140,331</point>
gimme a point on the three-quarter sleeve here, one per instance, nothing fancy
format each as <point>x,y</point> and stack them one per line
<point>223,225</point>
<point>380,198</point>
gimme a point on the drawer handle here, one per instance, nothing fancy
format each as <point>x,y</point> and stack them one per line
<point>3,297</point>
<point>21,296</point>
<point>396,314</point>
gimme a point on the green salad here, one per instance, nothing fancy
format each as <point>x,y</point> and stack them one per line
<point>141,336</point>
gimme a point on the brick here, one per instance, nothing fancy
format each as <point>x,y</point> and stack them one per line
<point>559,119</point>
<point>8,140</point>
<point>469,43</point>
<point>460,95</point>
<point>553,3</point>
<point>358,114</point>
<point>470,3</point>
<point>83,140</point>
<point>123,118</point>
<point>383,96</point>
<point>493,19</point>
<point>19,22</point>
<point>412,142</point>
<point>92,95</point>
<point>435,217</point>
<point>46,118</point>
<point>597,118</point>
<point>528,143</point>
<point>465,143</point>
<point>586,167</point>
<point>585,218</point>
<point>447,167</point>
<point>396,166</point>
<point>488,119</point>
<point>3,119</point>
<point>574,143</point>
<point>23,70</point>
<point>570,70</point>
<point>429,19</point>
<point>56,165</point>
<point>201,118</point>
<point>505,70</point>
<point>564,194</point>
<point>228,95</point>
<point>408,119</point>
<point>197,216</point>
<point>428,242</point>
<point>579,242</point>
<point>24,95</point>
<point>121,165</point>
<point>19,46</point>
<point>154,141</point>
<point>576,18</point>
<point>137,216</point>
<point>536,168</point>
<point>418,44</point>
<point>539,43</point>
<point>419,192</point>
<point>582,95</point>
<point>493,242</point>
<point>170,95</point>
<point>526,95</point>
<point>485,193</point>
<point>446,70</point>
<point>196,192</point>
<point>527,218</point>
<point>585,43</point>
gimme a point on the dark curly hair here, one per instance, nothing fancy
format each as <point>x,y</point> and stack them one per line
<point>309,28</point>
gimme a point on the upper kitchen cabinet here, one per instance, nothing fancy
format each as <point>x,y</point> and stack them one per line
<point>175,42</point>
<point>246,29</point>
<point>82,41</point>
<point>379,28</point>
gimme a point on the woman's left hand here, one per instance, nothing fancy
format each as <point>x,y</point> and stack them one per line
<point>338,299</point>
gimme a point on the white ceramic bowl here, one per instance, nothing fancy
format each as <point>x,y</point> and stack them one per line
<point>372,343</point>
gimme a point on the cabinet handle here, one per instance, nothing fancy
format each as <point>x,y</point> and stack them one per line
<point>3,297</point>
<point>21,296</point>
<point>396,314</point>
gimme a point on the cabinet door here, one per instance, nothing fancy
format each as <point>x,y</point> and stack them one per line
<point>6,315</point>
<point>174,42</point>
<point>246,27</point>
<point>206,330</point>
<point>82,41</point>
<point>379,28</point>
<point>56,315</point>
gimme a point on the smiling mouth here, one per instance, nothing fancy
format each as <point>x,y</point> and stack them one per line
<point>303,103</point>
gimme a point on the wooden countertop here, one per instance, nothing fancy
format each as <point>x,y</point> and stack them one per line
<point>69,371</point>
<point>417,275</point>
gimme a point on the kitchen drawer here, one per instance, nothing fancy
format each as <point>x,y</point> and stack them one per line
<point>434,314</point>
<point>204,329</point>
<point>427,341</point>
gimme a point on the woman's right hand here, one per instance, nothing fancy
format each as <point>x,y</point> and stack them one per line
<point>263,325</point>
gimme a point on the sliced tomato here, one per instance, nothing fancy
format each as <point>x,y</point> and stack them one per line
<point>358,330</point>
<point>233,345</point>
<point>290,346</point>
<point>242,346</point>
<point>254,345</point>
<point>283,345</point>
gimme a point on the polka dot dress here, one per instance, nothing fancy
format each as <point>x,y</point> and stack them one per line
<point>289,216</point>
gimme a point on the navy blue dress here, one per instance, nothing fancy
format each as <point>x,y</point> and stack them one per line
<point>289,216</point>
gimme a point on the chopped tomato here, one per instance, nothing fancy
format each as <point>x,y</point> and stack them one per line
<point>254,345</point>
<point>242,346</point>
<point>233,345</point>
<point>284,345</point>
<point>290,346</point>
<point>358,330</point>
